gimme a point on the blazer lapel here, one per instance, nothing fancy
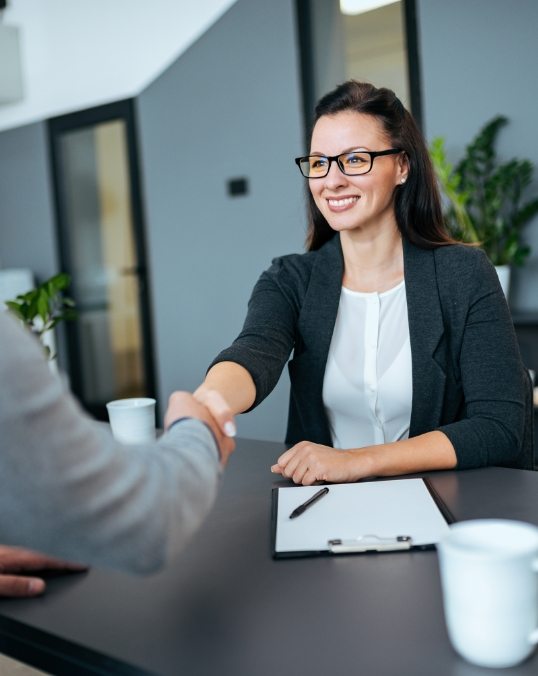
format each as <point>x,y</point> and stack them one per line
<point>320,306</point>
<point>316,326</point>
<point>426,333</point>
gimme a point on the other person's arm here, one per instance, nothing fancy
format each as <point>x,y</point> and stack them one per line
<point>71,490</point>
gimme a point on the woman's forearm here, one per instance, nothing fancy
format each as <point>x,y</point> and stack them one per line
<point>430,451</point>
<point>233,382</point>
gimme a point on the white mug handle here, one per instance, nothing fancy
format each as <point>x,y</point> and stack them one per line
<point>533,637</point>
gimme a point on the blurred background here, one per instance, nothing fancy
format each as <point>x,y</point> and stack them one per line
<point>147,150</point>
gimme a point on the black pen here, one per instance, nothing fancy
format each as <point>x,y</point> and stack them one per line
<point>299,510</point>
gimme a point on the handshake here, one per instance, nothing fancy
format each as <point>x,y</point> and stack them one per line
<point>132,420</point>
<point>210,407</point>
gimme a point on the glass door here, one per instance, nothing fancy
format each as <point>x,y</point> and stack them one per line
<point>102,248</point>
<point>371,40</point>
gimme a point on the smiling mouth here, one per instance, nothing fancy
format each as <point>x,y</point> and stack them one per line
<point>342,203</point>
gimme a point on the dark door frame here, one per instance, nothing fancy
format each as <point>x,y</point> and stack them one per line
<point>303,13</point>
<point>413,59</point>
<point>119,110</point>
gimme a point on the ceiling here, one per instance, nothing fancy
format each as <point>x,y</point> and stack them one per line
<point>78,54</point>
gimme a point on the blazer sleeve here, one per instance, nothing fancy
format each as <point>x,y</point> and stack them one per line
<point>490,369</point>
<point>269,331</point>
<point>70,489</point>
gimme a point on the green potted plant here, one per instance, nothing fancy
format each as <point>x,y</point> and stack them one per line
<point>485,198</point>
<point>43,307</point>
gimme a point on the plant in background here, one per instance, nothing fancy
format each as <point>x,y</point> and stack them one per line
<point>485,198</point>
<point>43,307</point>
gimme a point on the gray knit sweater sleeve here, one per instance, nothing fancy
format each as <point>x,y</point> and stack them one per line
<point>69,489</point>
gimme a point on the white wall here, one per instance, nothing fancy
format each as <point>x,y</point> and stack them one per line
<point>80,53</point>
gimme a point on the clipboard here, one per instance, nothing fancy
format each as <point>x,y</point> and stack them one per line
<point>370,516</point>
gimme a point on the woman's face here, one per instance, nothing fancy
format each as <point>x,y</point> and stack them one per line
<point>362,202</point>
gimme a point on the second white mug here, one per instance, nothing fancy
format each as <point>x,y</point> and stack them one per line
<point>490,590</point>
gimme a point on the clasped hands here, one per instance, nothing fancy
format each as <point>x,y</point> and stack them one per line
<point>185,405</point>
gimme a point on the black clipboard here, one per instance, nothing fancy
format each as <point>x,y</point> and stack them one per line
<point>368,543</point>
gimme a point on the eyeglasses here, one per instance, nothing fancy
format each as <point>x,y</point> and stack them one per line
<point>353,163</point>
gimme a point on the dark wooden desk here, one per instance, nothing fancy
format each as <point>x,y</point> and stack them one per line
<point>226,608</point>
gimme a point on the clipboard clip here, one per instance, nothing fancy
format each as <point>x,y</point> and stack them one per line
<point>370,543</point>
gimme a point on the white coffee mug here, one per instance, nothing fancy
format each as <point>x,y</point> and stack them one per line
<point>132,420</point>
<point>490,590</point>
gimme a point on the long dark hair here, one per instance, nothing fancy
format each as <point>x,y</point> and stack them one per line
<point>417,202</point>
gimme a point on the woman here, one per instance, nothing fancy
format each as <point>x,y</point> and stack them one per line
<point>404,354</point>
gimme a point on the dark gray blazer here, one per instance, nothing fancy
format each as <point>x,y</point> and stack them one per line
<point>468,378</point>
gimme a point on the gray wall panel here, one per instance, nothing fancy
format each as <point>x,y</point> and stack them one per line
<point>229,107</point>
<point>27,233</point>
<point>478,60</point>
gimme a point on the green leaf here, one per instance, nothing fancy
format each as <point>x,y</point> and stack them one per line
<point>525,213</point>
<point>42,304</point>
<point>58,283</point>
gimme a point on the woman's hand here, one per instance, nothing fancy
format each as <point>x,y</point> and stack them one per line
<point>305,463</point>
<point>218,407</point>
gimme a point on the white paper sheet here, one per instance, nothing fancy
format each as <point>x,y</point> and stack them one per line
<point>381,508</point>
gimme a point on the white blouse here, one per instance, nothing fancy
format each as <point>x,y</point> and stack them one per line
<point>367,389</point>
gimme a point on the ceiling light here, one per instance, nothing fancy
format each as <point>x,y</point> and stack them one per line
<point>360,6</point>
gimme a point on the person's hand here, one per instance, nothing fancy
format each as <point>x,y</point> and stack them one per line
<point>184,405</point>
<point>218,407</point>
<point>305,463</point>
<point>16,563</point>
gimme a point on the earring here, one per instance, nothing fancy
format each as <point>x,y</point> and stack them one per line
<point>403,180</point>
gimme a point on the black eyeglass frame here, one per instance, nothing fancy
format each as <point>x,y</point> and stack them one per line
<point>336,158</point>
